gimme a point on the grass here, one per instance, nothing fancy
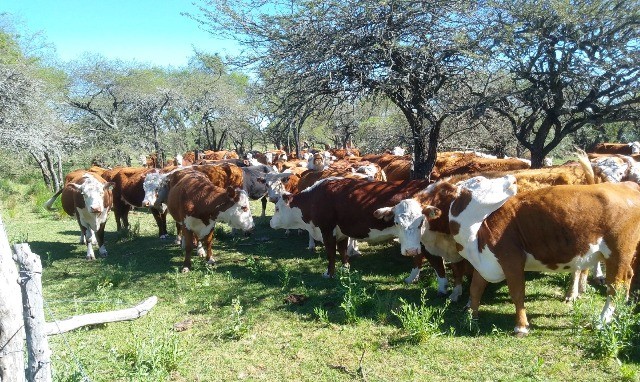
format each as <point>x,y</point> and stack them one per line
<point>263,312</point>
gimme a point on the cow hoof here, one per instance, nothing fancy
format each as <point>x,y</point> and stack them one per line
<point>326,275</point>
<point>164,237</point>
<point>354,254</point>
<point>569,299</point>
<point>90,257</point>
<point>185,269</point>
<point>211,261</point>
<point>521,332</point>
<point>202,253</point>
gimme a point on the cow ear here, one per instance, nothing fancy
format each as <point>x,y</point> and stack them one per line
<point>286,198</point>
<point>431,212</point>
<point>385,213</point>
<point>109,186</point>
<point>76,186</point>
<point>246,162</point>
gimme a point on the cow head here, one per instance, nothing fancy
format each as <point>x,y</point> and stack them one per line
<point>93,193</point>
<point>151,185</point>
<point>635,147</point>
<point>275,185</point>
<point>239,214</point>
<point>162,194</point>
<point>408,217</point>
<point>286,217</point>
<point>617,168</point>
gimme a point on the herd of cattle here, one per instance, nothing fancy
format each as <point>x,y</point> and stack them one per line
<point>488,218</point>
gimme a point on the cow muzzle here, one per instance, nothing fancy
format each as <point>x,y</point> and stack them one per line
<point>411,252</point>
<point>96,210</point>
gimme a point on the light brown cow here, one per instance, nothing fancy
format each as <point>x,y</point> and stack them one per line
<point>557,229</point>
<point>197,204</point>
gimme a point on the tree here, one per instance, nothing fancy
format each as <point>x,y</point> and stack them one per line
<point>31,114</point>
<point>326,53</point>
<point>566,64</point>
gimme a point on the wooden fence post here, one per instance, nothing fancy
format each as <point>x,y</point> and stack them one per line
<point>11,324</point>
<point>39,354</point>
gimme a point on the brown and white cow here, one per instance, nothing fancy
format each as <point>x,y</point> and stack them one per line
<point>89,199</point>
<point>555,229</point>
<point>334,209</point>
<point>436,236</point>
<point>616,148</point>
<point>128,193</point>
<point>197,204</point>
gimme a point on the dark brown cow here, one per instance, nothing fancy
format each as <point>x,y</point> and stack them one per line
<point>128,193</point>
<point>197,204</point>
<point>337,208</point>
<point>616,148</point>
<point>88,198</point>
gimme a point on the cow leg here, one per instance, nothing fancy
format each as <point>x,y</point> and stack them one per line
<point>125,217</point>
<point>161,221</point>
<point>619,275</point>
<point>187,242</point>
<point>598,275</point>
<point>478,285</point>
<point>312,242</point>
<point>352,248</point>
<point>514,274</point>
<point>90,255</point>
<point>102,250</point>
<point>91,236</point>
<point>437,263</point>
<point>330,248</point>
<point>342,250</point>
<point>178,234</point>
<point>264,205</point>
<point>415,271</point>
<point>578,286</point>
<point>458,269</point>
<point>208,243</point>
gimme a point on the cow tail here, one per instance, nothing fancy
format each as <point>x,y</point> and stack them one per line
<point>583,159</point>
<point>50,202</point>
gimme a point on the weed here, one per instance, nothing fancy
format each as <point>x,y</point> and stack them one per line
<point>354,295</point>
<point>237,327</point>
<point>421,322</point>
<point>469,324</point>
<point>254,265</point>
<point>285,278</point>
<point>151,356</point>
<point>615,339</point>
<point>321,314</point>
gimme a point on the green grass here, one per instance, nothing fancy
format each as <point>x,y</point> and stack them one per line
<point>238,321</point>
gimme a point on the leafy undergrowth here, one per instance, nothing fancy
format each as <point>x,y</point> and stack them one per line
<point>263,312</point>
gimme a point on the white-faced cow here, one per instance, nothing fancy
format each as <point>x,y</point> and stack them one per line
<point>556,229</point>
<point>197,204</point>
<point>89,199</point>
<point>334,209</point>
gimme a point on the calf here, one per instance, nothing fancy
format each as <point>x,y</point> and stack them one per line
<point>88,198</point>
<point>560,229</point>
<point>197,204</point>
<point>334,209</point>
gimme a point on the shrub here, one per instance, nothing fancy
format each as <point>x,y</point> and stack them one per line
<point>421,322</point>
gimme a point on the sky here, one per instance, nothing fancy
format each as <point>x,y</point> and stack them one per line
<point>147,31</point>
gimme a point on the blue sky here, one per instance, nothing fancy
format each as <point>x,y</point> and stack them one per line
<point>147,31</point>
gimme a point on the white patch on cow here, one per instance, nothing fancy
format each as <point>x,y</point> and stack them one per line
<point>413,276</point>
<point>596,252</point>
<point>409,221</point>
<point>612,168</point>
<point>102,251</point>
<point>198,227</point>
<point>607,312</point>
<point>487,196</point>
<point>269,157</point>
<point>352,248</point>
<point>201,251</point>
<point>239,214</point>
<point>399,151</point>
<point>635,147</point>
<point>286,217</point>
<point>442,285</point>
<point>369,170</point>
<point>547,161</point>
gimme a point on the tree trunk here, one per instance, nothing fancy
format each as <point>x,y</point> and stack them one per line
<point>424,157</point>
<point>43,170</point>
<point>11,324</point>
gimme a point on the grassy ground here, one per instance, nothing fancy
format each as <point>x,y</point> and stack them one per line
<point>242,319</point>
